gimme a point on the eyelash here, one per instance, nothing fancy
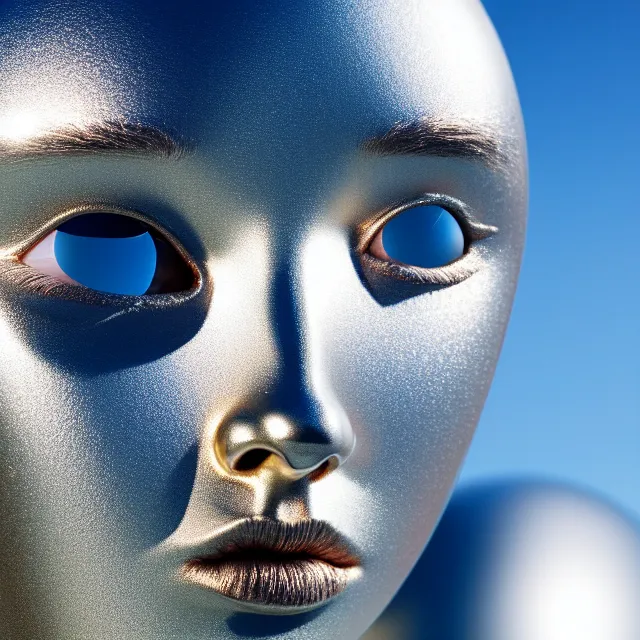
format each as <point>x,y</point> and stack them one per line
<point>32,281</point>
<point>459,270</point>
<point>35,282</point>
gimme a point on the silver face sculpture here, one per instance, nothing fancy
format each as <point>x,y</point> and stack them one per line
<point>257,263</point>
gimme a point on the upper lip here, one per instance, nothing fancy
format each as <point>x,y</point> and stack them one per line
<point>314,538</point>
<point>269,562</point>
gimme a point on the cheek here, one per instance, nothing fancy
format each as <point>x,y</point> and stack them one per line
<point>115,452</point>
<point>143,427</point>
<point>412,376</point>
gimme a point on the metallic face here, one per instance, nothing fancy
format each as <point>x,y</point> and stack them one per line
<point>282,436</point>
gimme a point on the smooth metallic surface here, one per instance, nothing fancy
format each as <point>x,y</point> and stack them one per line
<point>244,133</point>
<point>522,559</point>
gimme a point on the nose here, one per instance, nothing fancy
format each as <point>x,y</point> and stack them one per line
<point>298,420</point>
<point>303,448</point>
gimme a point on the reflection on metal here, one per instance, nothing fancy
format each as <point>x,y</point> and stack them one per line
<point>527,560</point>
<point>354,393</point>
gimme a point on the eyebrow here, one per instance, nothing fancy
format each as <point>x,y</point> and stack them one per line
<point>434,137</point>
<point>112,136</point>
<point>418,137</point>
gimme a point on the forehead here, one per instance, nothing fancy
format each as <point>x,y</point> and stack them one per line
<point>282,72</point>
<point>275,98</point>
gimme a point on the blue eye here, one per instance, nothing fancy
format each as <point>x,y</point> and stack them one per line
<point>111,253</point>
<point>425,236</point>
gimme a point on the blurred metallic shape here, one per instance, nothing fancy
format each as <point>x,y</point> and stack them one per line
<point>522,560</point>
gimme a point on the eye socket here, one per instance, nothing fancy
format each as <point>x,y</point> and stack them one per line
<point>111,253</point>
<point>426,236</point>
<point>433,240</point>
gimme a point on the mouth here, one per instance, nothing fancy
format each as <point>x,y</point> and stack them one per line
<point>266,562</point>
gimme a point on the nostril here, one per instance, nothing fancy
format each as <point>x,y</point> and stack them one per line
<point>251,460</point>
<point>324,469</point>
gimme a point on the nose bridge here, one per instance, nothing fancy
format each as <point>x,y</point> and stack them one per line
<point>297,417</point>
<point>319,427</point>
<point>291,389</point>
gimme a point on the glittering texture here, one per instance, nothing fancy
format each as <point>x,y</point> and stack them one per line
<point>110,405</point>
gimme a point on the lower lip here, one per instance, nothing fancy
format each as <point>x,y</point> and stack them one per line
<point>282,582</point>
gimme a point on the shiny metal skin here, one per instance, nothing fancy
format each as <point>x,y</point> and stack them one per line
<point>124,420</point>
<point>531,560</point>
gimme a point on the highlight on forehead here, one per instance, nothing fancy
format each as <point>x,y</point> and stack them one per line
<point>443,138</point>
<point>115,136</point>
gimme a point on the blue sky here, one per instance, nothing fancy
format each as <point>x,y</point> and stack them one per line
<point>565,402</point>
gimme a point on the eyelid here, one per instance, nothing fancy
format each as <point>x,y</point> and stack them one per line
<point>22,248</point>
<point>20,272</point>
<point>473,230</point>
<point>446,275</point>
